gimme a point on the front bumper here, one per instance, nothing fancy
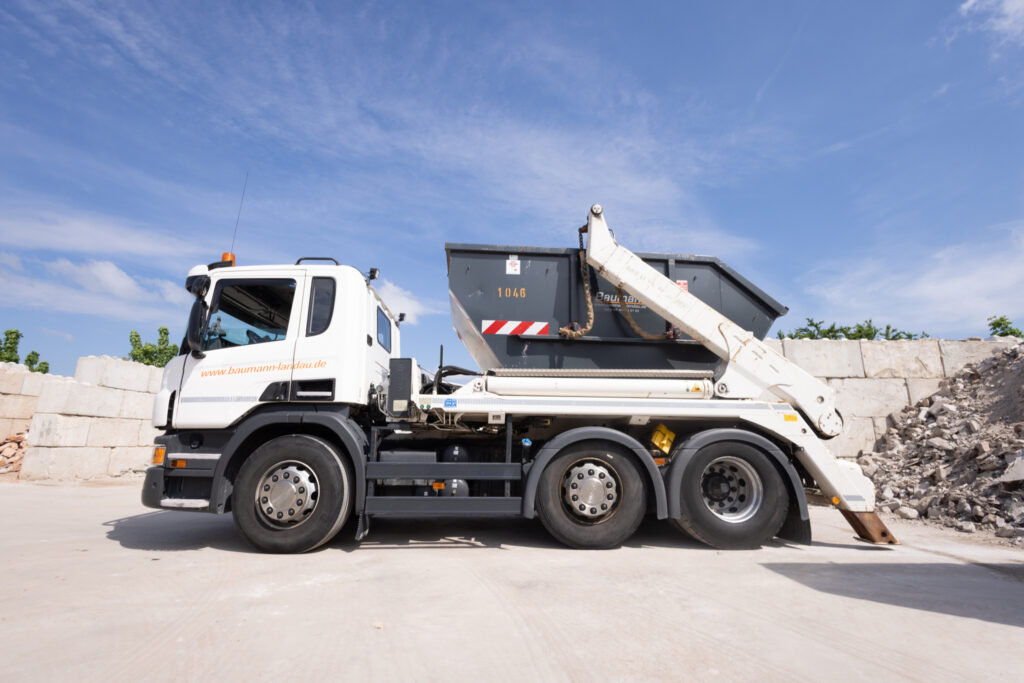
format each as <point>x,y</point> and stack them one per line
<point>165,491</point>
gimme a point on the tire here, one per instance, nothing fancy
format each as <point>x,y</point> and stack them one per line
<point>598,462</point>
<point>749,508</point>
<point>313,487</point>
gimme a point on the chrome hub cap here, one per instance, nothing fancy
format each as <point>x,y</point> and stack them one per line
<point>287,494</point>
<point>731,489</point>
<point>591,490</point>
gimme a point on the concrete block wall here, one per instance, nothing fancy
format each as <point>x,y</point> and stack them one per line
<point>875,378</point>
<point>19,394</point>
<point>95,425</point>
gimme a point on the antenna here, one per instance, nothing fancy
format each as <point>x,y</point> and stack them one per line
<point>235,233</point>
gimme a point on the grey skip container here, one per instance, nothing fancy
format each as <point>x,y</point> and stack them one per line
<point>485,284</point>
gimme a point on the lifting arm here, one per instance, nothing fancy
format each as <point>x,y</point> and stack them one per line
<point>751,366</point>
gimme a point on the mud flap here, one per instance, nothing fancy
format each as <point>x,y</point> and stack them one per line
<point>795,528</point>
<point>870,527</point>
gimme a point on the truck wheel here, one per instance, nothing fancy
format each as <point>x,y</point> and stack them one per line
<point>293,494</point>
<point>591,495</point>
<point>732,497</point>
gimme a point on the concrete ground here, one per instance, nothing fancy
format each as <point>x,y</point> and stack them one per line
<point>95,587</point>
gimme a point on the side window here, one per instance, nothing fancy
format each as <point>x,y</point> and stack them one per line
<point>321,306</point>
<point>383,330</point>
<point>249,312</point>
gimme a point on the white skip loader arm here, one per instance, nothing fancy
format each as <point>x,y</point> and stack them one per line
<point>750,369</point>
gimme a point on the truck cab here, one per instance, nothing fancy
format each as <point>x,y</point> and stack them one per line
<point>259,334</point>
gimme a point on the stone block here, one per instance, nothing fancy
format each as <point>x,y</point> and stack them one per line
<point>74,398</point>
<point>775,345</point>
<point>53,397</point>
<point>51,430</point>
<point>156,378</point>
<point>137,405</point>
<point>862,397</point>
<point>6,427</point>
<point>36,464</point>
<point>858,435</point>
<point>826,357</point>
<point>109,432</point>
<point>904,358</point>
<point>881,424</point>
<point>125,459</point>
<point>18,426</point>
<point>12,376</point>
<point>957,354</point>
<point>78,463</point>
<point>148,434</point>
<point>17,407</point>
<point>89,370</point>
<point>920,388</point>
<point>32,385</point>
<point>113,373</point>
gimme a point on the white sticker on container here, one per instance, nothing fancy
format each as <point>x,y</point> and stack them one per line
<point>512,265</point>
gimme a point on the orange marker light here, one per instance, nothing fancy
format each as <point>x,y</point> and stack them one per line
<point>179,463</point>
<point>158,455</point>
<point>228,256</point>
<point>438,485</point>
<point>835,500</point>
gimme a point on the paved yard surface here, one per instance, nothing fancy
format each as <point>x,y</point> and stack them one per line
<point>96,587</point>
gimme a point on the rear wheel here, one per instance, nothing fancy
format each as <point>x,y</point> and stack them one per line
<point>591,495</point>
<point>293,494</point>
<point>732,496</point>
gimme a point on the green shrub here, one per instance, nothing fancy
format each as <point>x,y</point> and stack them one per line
<point>9,353</point>
<point>158,354</point>
<point>815,329</point>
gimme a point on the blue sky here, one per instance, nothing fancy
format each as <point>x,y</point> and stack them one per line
<point>853,159</point>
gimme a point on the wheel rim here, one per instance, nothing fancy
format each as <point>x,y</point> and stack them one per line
<point>731,489</point>
<point>287,494</point>
<point>590,491</point>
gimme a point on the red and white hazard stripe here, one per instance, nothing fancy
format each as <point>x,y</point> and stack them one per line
<point>513,327</point>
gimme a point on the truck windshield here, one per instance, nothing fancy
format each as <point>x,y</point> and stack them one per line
<point>249,312</point>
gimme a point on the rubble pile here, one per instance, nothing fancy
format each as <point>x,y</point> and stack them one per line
<point>11,453</point>
<point>957,457</point>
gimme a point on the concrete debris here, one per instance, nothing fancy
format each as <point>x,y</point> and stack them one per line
<point>12,452</point>
<point>956,458</point>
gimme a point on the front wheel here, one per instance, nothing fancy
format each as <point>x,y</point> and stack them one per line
<point>293,494</point>
<point>591,495</point>
<point>732,497</point>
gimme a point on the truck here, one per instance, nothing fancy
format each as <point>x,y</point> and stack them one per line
<point>292,408</point>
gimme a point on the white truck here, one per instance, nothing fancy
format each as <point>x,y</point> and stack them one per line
<point>292,408</point>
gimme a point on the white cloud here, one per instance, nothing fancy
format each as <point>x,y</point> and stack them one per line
<point>1003,18</point>
<point>951,289</point>
<point>9,260</point>
<point>96,288</point>
<point>99,276</point>
<point>66,336</point>
<point>86,233</point>
<point>403,301</point>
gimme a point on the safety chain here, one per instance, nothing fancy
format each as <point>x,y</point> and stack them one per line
<point>574,331</point>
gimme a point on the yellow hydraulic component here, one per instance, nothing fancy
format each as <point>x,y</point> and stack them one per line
<point>662,438</point>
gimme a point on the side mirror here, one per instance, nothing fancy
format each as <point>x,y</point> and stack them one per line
<point>196,327</point>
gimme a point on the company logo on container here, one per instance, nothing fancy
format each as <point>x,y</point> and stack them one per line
<point>513,327</point>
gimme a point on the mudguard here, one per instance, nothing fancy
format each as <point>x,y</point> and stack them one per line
<point>336,421</point>
<point>567,438</point>
<point>796,528</point>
